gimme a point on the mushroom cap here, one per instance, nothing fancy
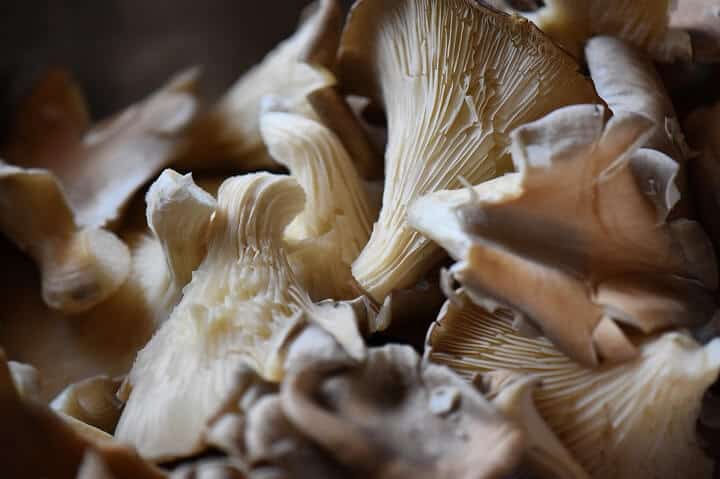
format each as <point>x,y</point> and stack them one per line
<point>243,306</point>
<point>327,236</point>
<point>577,226</point>
<point>455,77</point>
<point>700,19</point>
<point>393,417</point>
<point>636,419</point>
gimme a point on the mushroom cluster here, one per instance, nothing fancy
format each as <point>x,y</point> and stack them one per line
<point>544,216</point>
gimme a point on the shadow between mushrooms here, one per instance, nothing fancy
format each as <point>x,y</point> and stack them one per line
<point>572,241</point>
<point>229,133</point>
<point>636,419</point>
<point>454,77</point>
<point>67,181</point>
<point>36,442</point>
<point>243,306</point>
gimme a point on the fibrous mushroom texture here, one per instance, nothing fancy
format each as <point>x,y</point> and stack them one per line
<point>455,78</point>
<point>178,215</point>
<point>636,419</point>
<point>68,180</point>
<point>644,23</point>
<point>243,306</point>
<point>572,241</point>
<point>230,132</point>
<point>327,236</point>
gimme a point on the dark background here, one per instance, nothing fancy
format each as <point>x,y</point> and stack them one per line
<point>121,50</point>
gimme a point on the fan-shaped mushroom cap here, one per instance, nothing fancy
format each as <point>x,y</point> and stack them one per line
<point>455,77</point>
<point>330,232</point>
<point>573,240</point>
<point>243,306</point>
<point>637,419</point>
<point>230,132</point>
<point>644,23</point>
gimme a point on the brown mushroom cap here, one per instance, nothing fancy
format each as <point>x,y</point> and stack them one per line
<point>573,242</point>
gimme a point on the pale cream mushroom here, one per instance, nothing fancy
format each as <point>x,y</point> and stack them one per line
<point>644,23</point>
<point>328,235</point>
<point>572,242</point>
<point>636,419</point>
<point>243,306</point>
<point>454,77</point>
<point>178,215</point>
<point>26,379</point>
<point>229,133</point>
<point>67,181</point>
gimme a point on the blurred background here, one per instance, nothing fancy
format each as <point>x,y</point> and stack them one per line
<point>121,50</point>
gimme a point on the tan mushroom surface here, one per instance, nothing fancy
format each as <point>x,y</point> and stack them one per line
<point>572,241</point>
<point>636,419</point>
<point>243,306</point>
<point>644,23</point>
<point>66,180</point>
<point>454,77</point>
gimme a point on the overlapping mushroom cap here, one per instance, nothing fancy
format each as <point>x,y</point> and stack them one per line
<point>327,236</point>
<point>243,306</point>
<point>574,240</point>
<point>636,419</point>
<point>644,23</point>
<point>455,77</point>
<point>67,181</point>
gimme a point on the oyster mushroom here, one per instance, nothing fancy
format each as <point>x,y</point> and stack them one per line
<point>393,417</point>
<point>628,82</point>
<point>454,77</point>
<point>36,442</point>
<point>572,241</point>
<point>67,181</point>
<point>178,215</point>
<point>644,23</point>
<point>229,133</point>
<point>327,236</point>
<point>512,394</point>
<point>91,401</point>
<point>243,306</point>
<point>636,419</point>
<point>26,380</point>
